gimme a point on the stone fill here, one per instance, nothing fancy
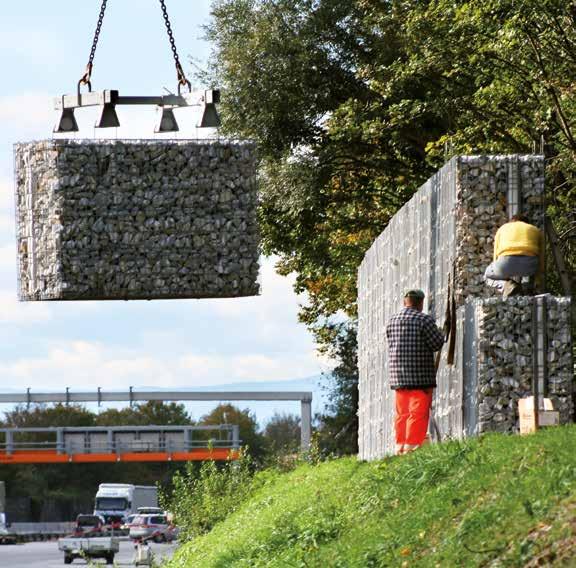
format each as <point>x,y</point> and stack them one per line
<point>443,238</point>
<point>150,219</point>
<point>504,361</point>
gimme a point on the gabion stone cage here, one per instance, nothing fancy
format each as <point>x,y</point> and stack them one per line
<point>442,239</point>
<point>127,220</point>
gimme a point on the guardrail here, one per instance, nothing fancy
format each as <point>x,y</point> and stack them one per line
<point>28,532</point>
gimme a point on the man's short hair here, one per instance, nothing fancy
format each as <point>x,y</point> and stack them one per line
<point>519,217</point>
<point>415,295</point>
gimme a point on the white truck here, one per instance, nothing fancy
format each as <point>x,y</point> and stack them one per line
<point>6,535</point>
<point>115,501</point>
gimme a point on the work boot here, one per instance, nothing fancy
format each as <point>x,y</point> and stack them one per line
<point>511,288</point>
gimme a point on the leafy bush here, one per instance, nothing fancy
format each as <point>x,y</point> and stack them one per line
<point>201,498</point>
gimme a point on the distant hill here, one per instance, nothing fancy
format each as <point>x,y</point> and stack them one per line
<point>263,410</point>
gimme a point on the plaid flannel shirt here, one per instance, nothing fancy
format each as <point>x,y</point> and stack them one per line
<point>413,337</point>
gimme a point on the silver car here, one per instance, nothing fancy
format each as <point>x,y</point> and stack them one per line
<point>152,527</point>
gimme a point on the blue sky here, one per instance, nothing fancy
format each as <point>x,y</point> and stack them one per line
<point>44,48</point>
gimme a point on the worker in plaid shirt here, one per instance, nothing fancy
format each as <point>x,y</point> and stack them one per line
<point>413,337</point>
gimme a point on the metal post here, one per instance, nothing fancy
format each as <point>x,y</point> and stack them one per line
<point>187,439</point>
<point>9,442</point>
<point>535,360</point>
<point>236,436</point>
<point>539,353</point>
<point>110,440</point>
<point>544,332</point>
<point>59,440</point>
<point>514,193</point>
<point>306,425</point>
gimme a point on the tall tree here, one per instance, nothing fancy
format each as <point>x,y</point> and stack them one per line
<point>338,425</point>
<point>353,102</point>
<point>283,433</point>
<point>249,435</point>
<point>152,412</point>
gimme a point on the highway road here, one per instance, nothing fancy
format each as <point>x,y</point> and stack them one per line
<point>47,555</point>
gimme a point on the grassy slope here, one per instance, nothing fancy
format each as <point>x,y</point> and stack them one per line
<point>497,500</point>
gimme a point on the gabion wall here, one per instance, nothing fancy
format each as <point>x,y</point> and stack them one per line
<point>111,220</point>
<point>498,344</point>
<point>443,235</point>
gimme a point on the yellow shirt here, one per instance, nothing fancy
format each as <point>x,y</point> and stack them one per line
<point>519,238</point>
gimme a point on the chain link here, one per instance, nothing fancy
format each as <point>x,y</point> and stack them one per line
<point>85,80</point>
<point>182,81</point>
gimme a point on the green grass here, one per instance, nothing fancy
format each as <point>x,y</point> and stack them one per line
<point>491,501</point>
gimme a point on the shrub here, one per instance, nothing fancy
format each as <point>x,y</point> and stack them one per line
<point>201,498</point>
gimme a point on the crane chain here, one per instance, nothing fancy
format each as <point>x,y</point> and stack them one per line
<point>182,81</point>
<point>85,80</point>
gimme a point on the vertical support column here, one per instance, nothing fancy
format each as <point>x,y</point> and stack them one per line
<point>306,425</point>
<point>9,442</point>
<point>540,352</point>
<point>187,439</point>
<point>514,192</point>
<point>60,440</point>
<point>236,436</point>
<point>110,441</point>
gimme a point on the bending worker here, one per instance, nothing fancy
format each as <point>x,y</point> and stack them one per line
<point>413,337</point>
<point>518,252</point>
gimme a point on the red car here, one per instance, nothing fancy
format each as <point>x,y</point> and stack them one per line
<point>89,525</point>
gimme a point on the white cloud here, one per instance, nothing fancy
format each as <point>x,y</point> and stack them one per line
<point>21,313</point>
<point>83,364</point>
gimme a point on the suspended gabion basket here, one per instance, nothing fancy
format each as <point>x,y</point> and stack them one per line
<point>139,219</point>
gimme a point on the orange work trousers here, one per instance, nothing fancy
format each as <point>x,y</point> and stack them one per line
<point>412,415</point>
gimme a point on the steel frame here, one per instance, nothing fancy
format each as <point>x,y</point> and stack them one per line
<point>132,396</point>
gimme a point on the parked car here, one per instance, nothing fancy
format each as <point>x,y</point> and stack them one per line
<point>125,526</point>
<point>152,527</point>
<point>89,525</point>
<point>150,511</point>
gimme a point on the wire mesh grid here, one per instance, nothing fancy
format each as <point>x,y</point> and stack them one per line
<point>136,219</point>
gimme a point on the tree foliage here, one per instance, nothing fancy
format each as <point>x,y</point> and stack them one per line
<point>248,425</point>
<point>338,424</point>
<point>353,104</point>
<point>144,414</point>
<point>283,433</point>
<point>70,488</point>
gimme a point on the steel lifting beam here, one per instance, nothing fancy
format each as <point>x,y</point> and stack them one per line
<point>100,98</point>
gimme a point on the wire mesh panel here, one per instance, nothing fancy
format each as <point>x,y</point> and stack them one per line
<point>136,219</point>
<point>504,355</point>
<point>441,239</point>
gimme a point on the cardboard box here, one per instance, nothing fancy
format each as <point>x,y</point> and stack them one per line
<point>547,416</point>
